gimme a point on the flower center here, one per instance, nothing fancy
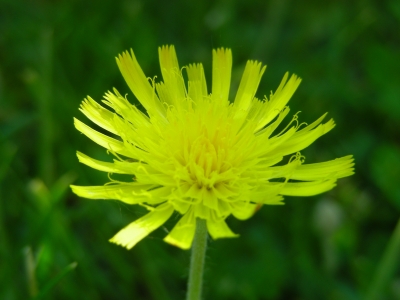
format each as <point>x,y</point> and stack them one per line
<point>204,163</point>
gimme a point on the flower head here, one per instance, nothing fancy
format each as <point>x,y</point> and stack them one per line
<point>198,153</point>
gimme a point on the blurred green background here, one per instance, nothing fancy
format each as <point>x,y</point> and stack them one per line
<point>54,244</point>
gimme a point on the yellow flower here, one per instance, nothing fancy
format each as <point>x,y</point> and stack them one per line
<point>199,153</point>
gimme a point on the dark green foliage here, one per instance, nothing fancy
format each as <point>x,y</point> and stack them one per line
<point>55,53</point>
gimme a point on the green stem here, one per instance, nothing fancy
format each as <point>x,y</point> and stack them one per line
<point>387,266</point>
<point>197,261</point>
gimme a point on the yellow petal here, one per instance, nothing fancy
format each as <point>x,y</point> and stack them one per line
<point>104,166</point>
<point>143,172</point>
<point>173,80</point>
<point>256,111</point>
<point>274,200</point>
<point>197,82</point>
<point>307,188</point>
<point>281,97</point>
<point>221,73</point>
<point>183,232</point>
<point>139,84</point>
<point>219,229</point>
<point>337,168</point>
<point>266,132</point>
<point>102,140</point>
<point>117,102</point>
<point>243,210</point>
<point>201,211</point>
<point>98,114</point>
<point>164,94</point>
<point>276,142</point>
<point>180,205</point>
<point>209,199</point>
<point>268,193</point>
<point>248,86</point>
<point>136,231</point>
<point>284,171</point>
<point>125,109</point>
<point>224,209</point>
<point>301,140</point>
<point>131,193</point>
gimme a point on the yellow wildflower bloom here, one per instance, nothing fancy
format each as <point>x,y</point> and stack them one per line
<point>198,153</point>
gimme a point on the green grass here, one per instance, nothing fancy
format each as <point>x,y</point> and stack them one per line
<point>54,245</point>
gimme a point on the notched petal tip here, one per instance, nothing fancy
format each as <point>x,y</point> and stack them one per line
<point>221,74</point>
<point>166,48</point>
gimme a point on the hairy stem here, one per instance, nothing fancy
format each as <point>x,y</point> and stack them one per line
<point>199,246</point>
